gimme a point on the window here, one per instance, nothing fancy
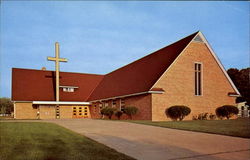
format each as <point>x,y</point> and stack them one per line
<point>67,89</point>
<point>198,80</point>
<point>122,104</point>
<point>113,103</point>
<point>198,39</point>
<point>95,108</point>
<point>106,104</point>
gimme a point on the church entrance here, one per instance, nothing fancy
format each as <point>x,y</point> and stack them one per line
<point>80,112</point>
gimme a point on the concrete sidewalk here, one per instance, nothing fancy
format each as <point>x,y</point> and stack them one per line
<point>155,143</point>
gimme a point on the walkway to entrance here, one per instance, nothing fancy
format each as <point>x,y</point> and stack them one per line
<point>155,143</point>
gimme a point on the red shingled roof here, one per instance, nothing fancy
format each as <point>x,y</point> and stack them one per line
<point>140,75</point>
<point>38,85</point>
<point>136,77</point>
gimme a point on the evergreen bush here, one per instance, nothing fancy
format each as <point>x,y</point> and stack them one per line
<point>130,111</point>
<point>226,111</point>
<point>177,112</point>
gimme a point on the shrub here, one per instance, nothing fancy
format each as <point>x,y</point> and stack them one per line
<point>108,111</point>
<point>203,116</point>
<point>226,111</point>
<point>212,116</point>
<point>118,114</point>
<point>177,112</point>
<point>130,111</point>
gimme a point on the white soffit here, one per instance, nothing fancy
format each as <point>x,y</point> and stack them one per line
<point>54,102</point>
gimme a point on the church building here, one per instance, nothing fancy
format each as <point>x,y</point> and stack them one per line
<point>186,72</point>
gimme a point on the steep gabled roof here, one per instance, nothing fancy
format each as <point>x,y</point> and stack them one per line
<point>39,85</point>
<point>139,76</point>
<point>136,77</point>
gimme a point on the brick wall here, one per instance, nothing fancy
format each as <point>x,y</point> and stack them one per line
<point>66,112</point>
<point>142,102</point>
<point>178,83</point>
<point>47,112</point>
<point>25,110</point>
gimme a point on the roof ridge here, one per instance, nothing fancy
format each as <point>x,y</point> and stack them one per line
<point>121,84</point>
<point>195,33</point>
<point>60,71</point>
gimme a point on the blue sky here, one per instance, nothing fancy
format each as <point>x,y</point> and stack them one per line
<point>98,37</point>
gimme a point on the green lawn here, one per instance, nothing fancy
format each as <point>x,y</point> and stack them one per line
<point>46,141</point>
<point>237,127</point>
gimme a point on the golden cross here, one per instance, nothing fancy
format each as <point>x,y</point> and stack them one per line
<point>57,59</point>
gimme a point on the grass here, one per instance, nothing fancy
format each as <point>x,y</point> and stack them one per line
<point>46,141</point>
<point>232,127</point>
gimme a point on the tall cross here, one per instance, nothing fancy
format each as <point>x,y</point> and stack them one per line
<point>57,59</point>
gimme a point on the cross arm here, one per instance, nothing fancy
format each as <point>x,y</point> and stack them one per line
<point>63,59</point>
<point>51,58</point>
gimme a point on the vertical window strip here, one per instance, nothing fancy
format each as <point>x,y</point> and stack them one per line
<point>198,79</point>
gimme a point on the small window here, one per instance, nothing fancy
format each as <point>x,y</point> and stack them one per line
<point>106,104</point>
<point>94,108</point>
<point>74,114</point>
<point>85,114</point>
<point>113,103</point>
<point>122,104</point>
<point>198,39</point>
<point>68,89</point>
<point>74,107</point>
<point>80,113</point>
<point>80,107</point>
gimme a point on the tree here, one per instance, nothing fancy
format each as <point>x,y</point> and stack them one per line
<point>108,111</point>
<point>6,106</point>
<point>118,114</point>
<point>241,79</point>
<point>130,111</point>
<point>177,112</point>
<point>226,111</point>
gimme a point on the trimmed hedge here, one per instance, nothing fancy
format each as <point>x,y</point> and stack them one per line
<point>130,111</point>
<point>108,111</point>
<point>226,111</point>
<point>177,112</point>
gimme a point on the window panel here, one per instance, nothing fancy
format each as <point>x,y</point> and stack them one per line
<point>198,79</point>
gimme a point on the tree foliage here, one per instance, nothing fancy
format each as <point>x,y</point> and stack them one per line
<point>108,111</point>
<point>177,112</point>
<point>130,111</point>
<point>241,79</point>
<point>226,111</point>
<point>6,106</point>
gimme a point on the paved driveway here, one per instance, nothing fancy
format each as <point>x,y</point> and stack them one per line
<point>155,143</point>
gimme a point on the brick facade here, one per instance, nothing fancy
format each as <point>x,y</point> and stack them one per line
<point>66,112</point>
<point>178,83</point>
<point>47,112</point>
<point>142,102</point>
<point>25,110</point>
